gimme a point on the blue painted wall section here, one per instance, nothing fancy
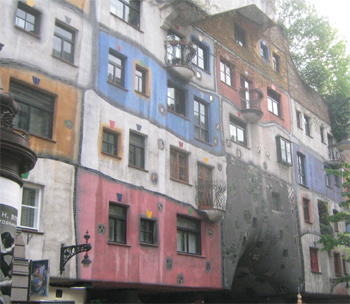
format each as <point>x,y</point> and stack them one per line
<point>154,107</point>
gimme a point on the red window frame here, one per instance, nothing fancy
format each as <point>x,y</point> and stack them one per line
<point>314,260</point>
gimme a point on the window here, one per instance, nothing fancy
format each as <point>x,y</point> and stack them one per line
<point>176,100</point>
<point>337,264</point>
<point>188,235</point>
<point>201,123</point>
<point>306,208</point>
<point>178,165</point>
<point>276,201</point>
<point>284,151</point>
<point>337,180</point>
<point>110,142</point>
<point>30,207</point>
<point>327,178</point>
<point>36,110</point>
<point>226,73</point>
<point>147,231</point>
<point>307,125</point>
<point>238,131</point>
<point>116,68</point>
<point>335,224</point>
<point>137,150</point>
<point>117,224</point>
<point>325,225</point>
<point>301,169</point>
<point>200,59</point>
<point>245,93</point>
<point>175,51</point>
<point>63,43</point>
<point>344,264</point>
<point>27,18</point>
<point>140,80</point>
<point>298,115</point>
<point>204,185</point>
<point>264,51</point>
<point>240,36</point>
<point>314,260</point>
<point>276,63</point>
<point>128,10</point>
<point>322,134</point>
<point>273,102</point>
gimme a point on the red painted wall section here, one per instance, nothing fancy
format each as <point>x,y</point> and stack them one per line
<point>135,263</point>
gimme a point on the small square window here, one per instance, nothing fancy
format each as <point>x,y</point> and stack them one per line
<point>148,231</point>
<point>314,260</point>
<point>276,63</point>
<point>36,110</point>
<point>238,131</point>
<point>137,150</point>
<point>306,208</point>
<point>110,142</point>
<point>141,76</point>
<point>200,59</point>
<point>226,73</point>
<point>273,102</point>
<point>178,165</point>
<point>30,207</point>
<point>128,10</point>
<point>27,18</point>
<point>240,37</point>
<point>188,235</point>
<point>284,150</point>
<point>201,122</point>
<point>64,42</point>
<point>117,223</point>
<point>116,68</point>
<point>276,201</point>
<point>176,99</point>
<point>264,51</point>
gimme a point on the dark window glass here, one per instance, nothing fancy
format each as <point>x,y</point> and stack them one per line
<point>307,125</point>
<point>284,150</point>
<point>176,100</point>
<point>240,36</point>
<point>306,207</point>
<point>178,165</point>
<point>137,150</point>
<point>337,264</point>
<point>301,169</point>
<point>204,186</point>
<point>27,18</point>
<point>201,122</point>
<point>36,110</point>
<point>63,43</point>
<point>110,142</point>
<point>147,231</point>
<point>116,68</point>
<point>200,59</point>
<point>276,63</point>
<point>264,51</point>
<point>188,235</point>
<point>117,224</point>
<point>276,201</point>
<point>128,10</point>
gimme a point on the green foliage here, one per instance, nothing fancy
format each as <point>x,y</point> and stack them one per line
<point>318,53</point>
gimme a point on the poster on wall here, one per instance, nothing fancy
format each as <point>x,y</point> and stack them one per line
<point>39,274</point>
<point>8,223</point>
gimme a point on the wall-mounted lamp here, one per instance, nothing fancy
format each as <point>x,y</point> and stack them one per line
<point>69,251</point>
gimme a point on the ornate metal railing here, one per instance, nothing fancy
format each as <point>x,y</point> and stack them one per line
<point>179,52</point>
<point>211,195</point>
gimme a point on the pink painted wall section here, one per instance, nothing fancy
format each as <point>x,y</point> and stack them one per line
<point>134,263</point>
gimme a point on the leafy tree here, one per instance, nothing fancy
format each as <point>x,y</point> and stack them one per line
<point>318,53</point>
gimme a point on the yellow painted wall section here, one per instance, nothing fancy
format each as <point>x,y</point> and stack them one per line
<point>66,122</point>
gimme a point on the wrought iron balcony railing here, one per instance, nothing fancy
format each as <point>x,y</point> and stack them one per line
<point>211,195</point>
<point>335,159</point>
<point>179,52</point>
<point>251,104</point>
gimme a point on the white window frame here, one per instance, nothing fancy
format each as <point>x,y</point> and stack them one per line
<point>38,203</point>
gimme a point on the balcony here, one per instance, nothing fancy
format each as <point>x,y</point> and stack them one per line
<point>251,104</point>
<point>179,55</point>
<point>335,160</point>
<point>211,199</point>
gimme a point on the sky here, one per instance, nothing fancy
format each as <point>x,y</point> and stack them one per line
<point>338,12</point>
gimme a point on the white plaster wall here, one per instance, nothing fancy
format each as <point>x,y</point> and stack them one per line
<point>261,149</point>
<point>37,51</point>
<point>56,214</point>
<point>157,160</point>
